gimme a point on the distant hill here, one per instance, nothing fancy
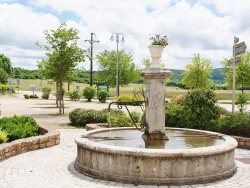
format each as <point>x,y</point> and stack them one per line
<point>218,78</point>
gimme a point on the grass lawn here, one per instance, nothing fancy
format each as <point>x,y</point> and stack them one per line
<point>171,91</point>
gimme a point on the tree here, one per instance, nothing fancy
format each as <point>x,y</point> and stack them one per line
<point>128,72</point>
<point>197,73</point>
<point>242,79</point>
<point>3,76</point>
<point>63,55</point>
<point>5,63</point>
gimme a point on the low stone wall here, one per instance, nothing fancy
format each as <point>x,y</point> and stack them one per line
<point>16,147</point>
<point>243,142</point>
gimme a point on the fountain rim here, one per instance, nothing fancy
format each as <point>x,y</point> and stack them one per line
<point>228,144</point>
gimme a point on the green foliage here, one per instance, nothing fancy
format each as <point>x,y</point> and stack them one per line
<point>4,87</point>
<point>5,64</point>
<point>63,55</point>
<point>201,109</point>
<point>18,127</point>
<point>136,116</point>
<point>26,74</point>
<point>46,91</point>
<point>26,96</point>
<point>106,73</point>
<point>80,117</point>
<point>120,121</point>
<point>197,73</point>
<point>3,76</point>
<point>102,95</point>
<point>89,92</point>
<point>237,124</point>
<point>175,115</point>
<point>74,95</point>
<point>242,101</point>
<point>3,137</point>
<point>131,99</point>
<point>33,96</point>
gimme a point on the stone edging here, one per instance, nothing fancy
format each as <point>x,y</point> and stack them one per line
<point>242,142</point>
<point>16,147</point>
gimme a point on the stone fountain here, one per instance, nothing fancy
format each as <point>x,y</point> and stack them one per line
<point>155,163</point>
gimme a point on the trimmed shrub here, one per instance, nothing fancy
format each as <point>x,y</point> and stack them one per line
<point>237,124</point>
<point>34,96</point>
<point>26,96</point>
<point>3,137</point>
<point>200,110</point>
<point>120,121</point>
<point>18,127</point>
<point>80,117</point>
<point>74,95</point>
<point>89,92</point>
<point>143,119</point>
<point>102,95</point>
<point>175,115</point>
<point>46,92</point>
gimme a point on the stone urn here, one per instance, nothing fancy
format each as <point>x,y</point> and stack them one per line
<point>155,53</point>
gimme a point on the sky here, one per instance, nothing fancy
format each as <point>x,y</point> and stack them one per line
<point>206,27</point>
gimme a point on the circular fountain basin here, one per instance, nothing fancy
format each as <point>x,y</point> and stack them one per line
<point>107,154</point>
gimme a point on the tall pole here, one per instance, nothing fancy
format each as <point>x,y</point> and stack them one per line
<point>117,62</point>
<point>236,40</point>
<point>91,41</point>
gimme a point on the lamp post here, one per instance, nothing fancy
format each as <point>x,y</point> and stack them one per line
<point>117,35</point>
<point>91,41</point>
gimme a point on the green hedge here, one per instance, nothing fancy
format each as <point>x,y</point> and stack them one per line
<point>18,127</point>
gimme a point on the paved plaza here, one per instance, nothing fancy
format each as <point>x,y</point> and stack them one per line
<point>54,167</point>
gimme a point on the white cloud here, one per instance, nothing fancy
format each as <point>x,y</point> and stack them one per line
<point>203,26</point>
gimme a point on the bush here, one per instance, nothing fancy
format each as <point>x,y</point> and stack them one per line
<point>89,92</point>
<point>237,124</point>
<point>26,96</point>
<point>143,119</point>
<point>74,95</point>
<point>34,96</point>
<point>200,109</point>
<point>80,117</point>
<point>130,99</point>
<point>175,115</point>
<point>18,127</point>
<point>136,116</point>
<point>120,121</point>
<point>3,137</point>
<point>46,92</point>
<point>102,95</point>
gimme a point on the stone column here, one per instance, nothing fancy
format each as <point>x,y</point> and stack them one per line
<point>155,102</point>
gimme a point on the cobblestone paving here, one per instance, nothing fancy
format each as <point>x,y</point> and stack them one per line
<point>53,168</point>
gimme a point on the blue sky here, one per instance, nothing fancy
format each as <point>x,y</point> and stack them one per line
<point>192,26</point>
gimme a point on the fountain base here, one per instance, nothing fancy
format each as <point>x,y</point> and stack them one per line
<point>155,166</point>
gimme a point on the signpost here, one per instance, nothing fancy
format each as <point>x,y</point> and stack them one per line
<point>238,49</point>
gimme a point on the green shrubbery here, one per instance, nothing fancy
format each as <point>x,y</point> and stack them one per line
<point>18,127</point>
<point>80,117</point>
<point>74,95</point>
<point>237,124</point>
<point>199,111</point>
<point>89,92</point>
<point>3,137</point>
<point>132,100</point>
<point>46,91</point>
<point>102,95</point>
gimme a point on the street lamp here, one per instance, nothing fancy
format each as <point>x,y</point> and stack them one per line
<point>117,35</point>
<point>91,41</point>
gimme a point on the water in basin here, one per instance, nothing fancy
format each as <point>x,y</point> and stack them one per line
<point>177,139</point>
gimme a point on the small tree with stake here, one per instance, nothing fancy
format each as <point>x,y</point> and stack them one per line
<point>63,55</point>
